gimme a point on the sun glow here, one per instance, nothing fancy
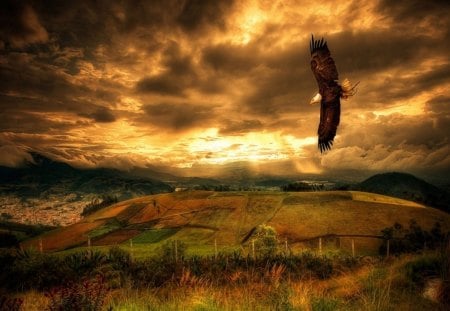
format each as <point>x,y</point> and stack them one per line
<point>211,148</point>
<point>249,24</point>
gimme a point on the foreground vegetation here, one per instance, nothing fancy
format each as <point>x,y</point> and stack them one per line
<point>268,278</point>
<point>113,281</point>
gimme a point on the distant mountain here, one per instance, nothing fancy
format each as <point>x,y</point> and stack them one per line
<point>44,177</point>
<point>408,187</point>
<point>171,179</point>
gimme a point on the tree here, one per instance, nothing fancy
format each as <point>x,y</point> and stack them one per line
<point>266,241</point>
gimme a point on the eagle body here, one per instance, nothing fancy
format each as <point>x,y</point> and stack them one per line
<point>326,74</point>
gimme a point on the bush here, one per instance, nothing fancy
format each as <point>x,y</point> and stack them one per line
<point>266,242</point>
<point>80,296</point>
<point>418,271</point>
<point>412,239</point>
<point>10,304</point>
<point>172,250</point>
<point>32,270</point>
<point>8,240</point>
<point>96,204</point>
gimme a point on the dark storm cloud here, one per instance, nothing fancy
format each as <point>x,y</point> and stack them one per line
<point>283,83</point>
<point>177,117</point>
<point>231,59</point>
<point>178,74</point>
<point>394,142</point>
<point>373,51</point>
<point>400,88</point>
<point>414,10</point>
<point>31,85</point>
<point>396,130</point>
<point>102,115</point>
<point>19,121</point>
<point>440,105</point>
<point>164,84</point>
<point>197,14</point>
<point>24,74</point>
<point>20,25</point>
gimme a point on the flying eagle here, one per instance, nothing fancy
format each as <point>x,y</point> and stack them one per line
<point>330,92</point>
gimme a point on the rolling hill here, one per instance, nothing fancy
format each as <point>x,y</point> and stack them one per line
<point>408,187</point>
<point>201,218</point>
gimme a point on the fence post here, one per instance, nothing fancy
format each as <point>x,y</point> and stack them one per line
<point>215,249</point>
<point>286,246</point>
<point>176,251</point>
<point>387,248</point>
<point>131,248</point>
<point>353,247</point>
<point>320,246</point>
<point>41,247</point>
<point>89,242</point>
<point>253,248</point>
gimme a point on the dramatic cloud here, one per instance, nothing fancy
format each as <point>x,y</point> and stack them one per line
<point>177,117</point>
<point>20,25</point>
<point>200,84</point>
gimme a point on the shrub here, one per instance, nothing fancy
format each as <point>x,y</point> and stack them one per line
<point>266,242</point>
<point>10,304</point>
<point>97,204</point>
<point>8,240</point>
<point>412,239</point>
<point>85,263</point>
<point>418,271</point>
<point>34,270</point>
<point>87,295</point>
<point>172,250</point>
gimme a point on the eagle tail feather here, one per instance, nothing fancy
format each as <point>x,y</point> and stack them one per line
<point>348,90</point>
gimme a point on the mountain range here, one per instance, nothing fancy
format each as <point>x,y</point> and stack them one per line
<point>43,177</point>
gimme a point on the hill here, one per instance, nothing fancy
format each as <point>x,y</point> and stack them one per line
<point>201,218</point>
<point>44,177</point>
<point>407,187</point>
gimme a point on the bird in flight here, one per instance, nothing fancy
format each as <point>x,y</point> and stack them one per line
<point>330,92</point>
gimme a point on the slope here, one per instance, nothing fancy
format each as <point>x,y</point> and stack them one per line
<point>201,218</point>
<point>408,187</point>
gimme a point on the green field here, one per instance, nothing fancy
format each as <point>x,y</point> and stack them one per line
<point>204,220</point>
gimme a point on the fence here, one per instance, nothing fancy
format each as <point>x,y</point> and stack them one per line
<point>285,245</point>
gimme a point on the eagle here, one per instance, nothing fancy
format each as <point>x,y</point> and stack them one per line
<point>330,92</point>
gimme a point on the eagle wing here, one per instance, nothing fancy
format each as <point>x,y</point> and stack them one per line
<point>325,72</point>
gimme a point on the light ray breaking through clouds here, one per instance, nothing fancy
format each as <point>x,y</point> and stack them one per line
<point>197,83</point>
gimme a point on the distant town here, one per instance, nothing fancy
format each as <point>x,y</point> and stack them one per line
<point>54,210</point>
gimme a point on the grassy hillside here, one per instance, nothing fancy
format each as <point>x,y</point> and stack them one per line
<point>201,218</point>
<point>408,187</point>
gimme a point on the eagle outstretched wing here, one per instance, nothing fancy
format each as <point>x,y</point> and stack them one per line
<point>325,72</point>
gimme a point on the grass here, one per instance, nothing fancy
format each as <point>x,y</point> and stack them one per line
<point>154,236</point>
<point>109,226</point>
<point>377,286</point>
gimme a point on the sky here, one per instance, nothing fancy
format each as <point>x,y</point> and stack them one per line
<point>201,84</point>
